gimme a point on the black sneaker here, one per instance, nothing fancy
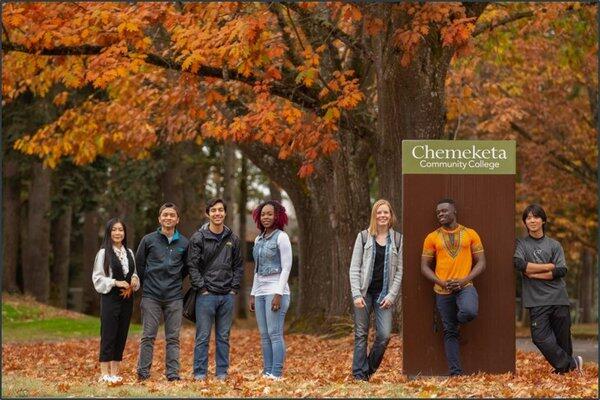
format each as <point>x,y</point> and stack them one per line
<point>173,378</point>
<point>142,378</point>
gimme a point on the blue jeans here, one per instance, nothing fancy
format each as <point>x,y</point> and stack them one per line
<point>218,309</point>
<point>270,325</point>
<point>456,308</point>
<point>363,365</point>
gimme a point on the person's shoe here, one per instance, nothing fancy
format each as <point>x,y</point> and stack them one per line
<point>116,378</point>
<point>142,377</point>
<point>105,378</point>
<point>222,377</point>
<point>173,378</point>
<point>199,377</point>
<point>275,378</point>
<point>579,364</point>
<point>267,375</point>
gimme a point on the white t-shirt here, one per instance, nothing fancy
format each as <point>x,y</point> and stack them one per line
<point>276,283</point>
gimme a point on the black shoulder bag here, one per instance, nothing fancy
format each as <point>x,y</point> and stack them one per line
<point>189,298</point>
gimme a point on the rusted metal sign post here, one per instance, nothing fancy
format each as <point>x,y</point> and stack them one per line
<point>480,177</point>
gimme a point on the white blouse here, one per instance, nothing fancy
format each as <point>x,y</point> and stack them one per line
<point>276,283</point>
<point>103,283</point>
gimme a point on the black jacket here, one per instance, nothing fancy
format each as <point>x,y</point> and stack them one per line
<point>225,272</point>
<point>160,265</point>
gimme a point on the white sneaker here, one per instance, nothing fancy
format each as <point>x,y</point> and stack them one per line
<point>116,378</point>
<point>105,378</point>
<point>579,364</point>
<point>275,378</point>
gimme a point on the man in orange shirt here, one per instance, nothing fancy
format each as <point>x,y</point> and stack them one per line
<point>451,250</point>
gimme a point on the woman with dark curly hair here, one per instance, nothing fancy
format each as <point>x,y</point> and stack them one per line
<point>270,296</point>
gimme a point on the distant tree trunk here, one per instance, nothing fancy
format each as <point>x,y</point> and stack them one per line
<point>229,181</point>
<point>243,200</point>
<point>61,250</point>
<point>24,239</point>
<point>274,191</point>
<point>11,223</point>
<point>194,200</point>
<point>172,178</point>
<point>126,211</point>
<point>586,298</point>
<point>91,299</point>
<point>183,183</point>
<point>36,269</point>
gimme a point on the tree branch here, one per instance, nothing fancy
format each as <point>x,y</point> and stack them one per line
<point>488,26</point>
<point>287,89</point>
<point>314,19</point>
<point>291,54</point>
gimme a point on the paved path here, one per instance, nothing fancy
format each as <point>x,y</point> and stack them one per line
<point>588,349</point>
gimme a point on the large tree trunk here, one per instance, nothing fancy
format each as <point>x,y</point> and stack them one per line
<point>61,250</point>
<point>410,101</point>
<point>332,206</point>
<point>11,200</point>
<point>91,299</point>
<point>36,270</point>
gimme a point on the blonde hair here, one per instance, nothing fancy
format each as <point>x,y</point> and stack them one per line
<point>373,222</point>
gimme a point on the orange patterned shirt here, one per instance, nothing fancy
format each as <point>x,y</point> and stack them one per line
<point>453,252</point>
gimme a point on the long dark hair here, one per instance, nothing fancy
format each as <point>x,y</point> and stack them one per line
<point>281,218</point>
<point>107,243</point>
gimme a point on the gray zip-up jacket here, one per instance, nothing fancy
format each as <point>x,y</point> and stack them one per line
<point>361,266</point>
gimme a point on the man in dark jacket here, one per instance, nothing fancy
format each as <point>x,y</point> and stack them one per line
<point>215,265</point>
<point>160,264</point>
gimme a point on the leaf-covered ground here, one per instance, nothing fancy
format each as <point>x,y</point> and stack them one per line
<point>315,367</point>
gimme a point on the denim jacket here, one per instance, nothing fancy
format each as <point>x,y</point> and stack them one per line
<point>361,266</point>
<point>266,254</point>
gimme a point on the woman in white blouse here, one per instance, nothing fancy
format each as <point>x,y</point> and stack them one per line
<point>114,277</point>
<point>270,296</point>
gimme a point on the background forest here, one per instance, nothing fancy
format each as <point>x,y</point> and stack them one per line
<point>112,109</point>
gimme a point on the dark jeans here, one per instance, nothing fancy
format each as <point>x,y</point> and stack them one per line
<point>115,315</point>
<point>363,365</point>
<point>551,333</point>
<point>456,308</point>
<point>217,309</point>
<point>152,310</point>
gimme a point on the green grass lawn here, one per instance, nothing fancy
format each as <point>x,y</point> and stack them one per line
<point>29,321</point>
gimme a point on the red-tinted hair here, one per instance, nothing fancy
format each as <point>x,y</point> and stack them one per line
<point>281,218</point>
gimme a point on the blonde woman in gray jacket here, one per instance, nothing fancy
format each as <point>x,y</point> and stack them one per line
<point>375,278</point>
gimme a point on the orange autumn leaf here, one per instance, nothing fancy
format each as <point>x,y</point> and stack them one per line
<point>127,292</point>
